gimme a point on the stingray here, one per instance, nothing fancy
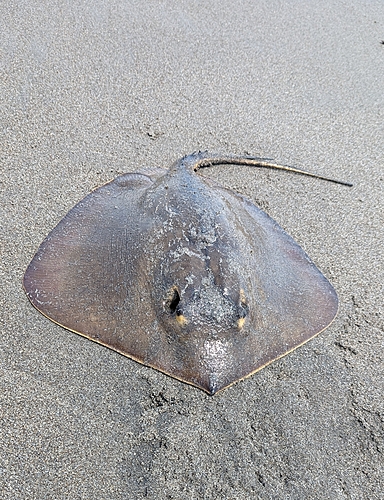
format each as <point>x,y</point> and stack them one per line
<point>173,270</point>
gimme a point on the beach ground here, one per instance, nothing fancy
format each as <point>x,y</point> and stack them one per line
<point>90,90</point>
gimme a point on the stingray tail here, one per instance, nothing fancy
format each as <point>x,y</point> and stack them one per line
<point>203,159</point>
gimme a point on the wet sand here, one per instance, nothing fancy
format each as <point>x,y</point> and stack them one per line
<point>92,90</point>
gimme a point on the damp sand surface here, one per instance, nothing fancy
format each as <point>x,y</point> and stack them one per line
<point>92,90</point>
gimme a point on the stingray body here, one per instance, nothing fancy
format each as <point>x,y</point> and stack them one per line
<point>181,274</point>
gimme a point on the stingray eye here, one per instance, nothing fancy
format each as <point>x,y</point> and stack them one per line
<point>172,299</point>
<point>243,309</point>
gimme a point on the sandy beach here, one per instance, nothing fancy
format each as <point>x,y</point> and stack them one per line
<point>91,90</point>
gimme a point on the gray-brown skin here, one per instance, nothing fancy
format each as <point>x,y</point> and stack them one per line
<point>181,274</point>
